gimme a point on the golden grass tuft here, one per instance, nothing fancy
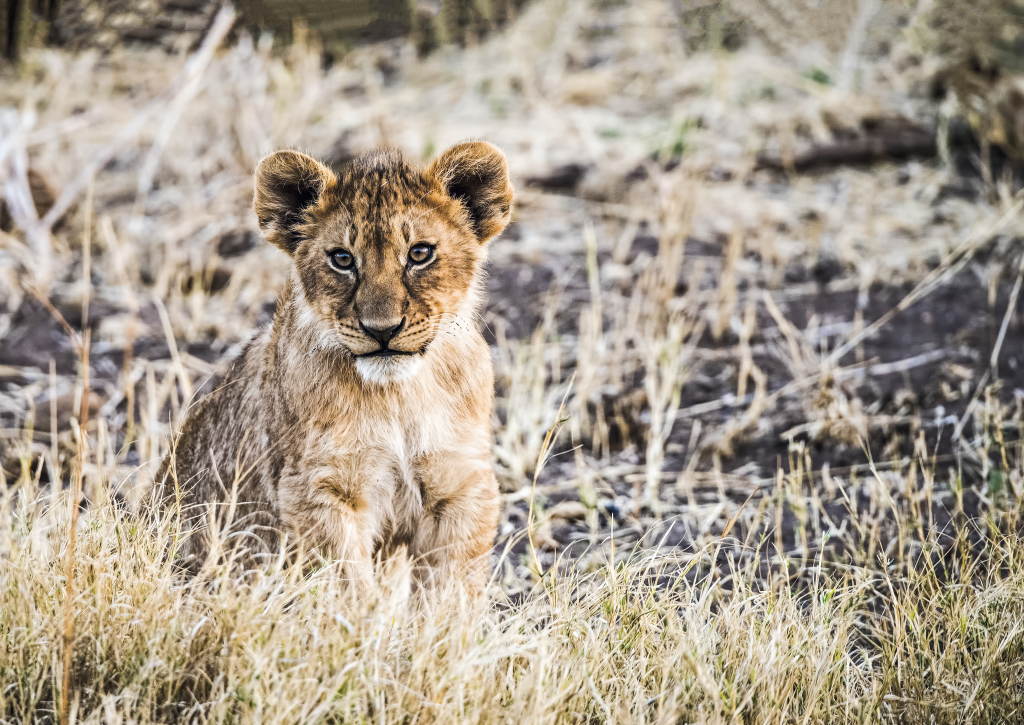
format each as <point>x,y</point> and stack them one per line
<point>648,637</point>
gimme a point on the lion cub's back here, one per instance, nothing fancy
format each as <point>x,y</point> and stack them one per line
<point>222,453</point>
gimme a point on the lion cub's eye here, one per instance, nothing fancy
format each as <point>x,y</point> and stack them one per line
<point>342,259</point>
<point>421,253</point>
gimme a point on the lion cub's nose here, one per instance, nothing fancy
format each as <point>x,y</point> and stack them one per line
<point>382,333</point>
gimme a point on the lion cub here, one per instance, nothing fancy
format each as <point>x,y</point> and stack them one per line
<point>359,421</point>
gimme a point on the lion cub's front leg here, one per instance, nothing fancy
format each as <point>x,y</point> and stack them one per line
<point>460,515</point>
<point>328,513</point>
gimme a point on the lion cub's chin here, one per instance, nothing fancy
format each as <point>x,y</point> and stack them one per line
<point>385,370</point>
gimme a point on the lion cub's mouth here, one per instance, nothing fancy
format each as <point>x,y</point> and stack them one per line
<point>386,352</point>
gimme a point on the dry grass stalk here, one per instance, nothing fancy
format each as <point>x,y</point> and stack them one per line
<point>74,504</point>
<point>665,354</point>
<point>545,451</point>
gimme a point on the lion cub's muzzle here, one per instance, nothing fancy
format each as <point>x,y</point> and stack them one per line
<point>389,362</point>
<point>385,339</point>
<point>383,334</point>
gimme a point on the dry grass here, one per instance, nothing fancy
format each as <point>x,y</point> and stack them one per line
<point>735,525</point>
<point>648,637</point>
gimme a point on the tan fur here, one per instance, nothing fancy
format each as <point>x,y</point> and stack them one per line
<point>314,436</point>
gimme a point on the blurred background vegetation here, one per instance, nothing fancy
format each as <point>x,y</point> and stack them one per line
<point>975,48</point>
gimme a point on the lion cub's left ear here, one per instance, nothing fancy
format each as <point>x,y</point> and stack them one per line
<point>475,174</point>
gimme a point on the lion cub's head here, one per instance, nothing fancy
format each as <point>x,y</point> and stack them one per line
<point>386,254</point>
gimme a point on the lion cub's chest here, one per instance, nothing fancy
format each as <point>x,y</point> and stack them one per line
<point>376,459</point>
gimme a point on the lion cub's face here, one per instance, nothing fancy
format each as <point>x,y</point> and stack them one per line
<point>386,255</point>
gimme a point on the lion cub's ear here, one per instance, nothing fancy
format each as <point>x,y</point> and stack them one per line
<point>287,184</point>
<point>476,174</point>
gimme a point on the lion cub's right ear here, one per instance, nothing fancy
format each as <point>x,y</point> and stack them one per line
<point>288,184</point>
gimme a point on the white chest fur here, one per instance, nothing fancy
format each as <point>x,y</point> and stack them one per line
<point>373,452</point>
